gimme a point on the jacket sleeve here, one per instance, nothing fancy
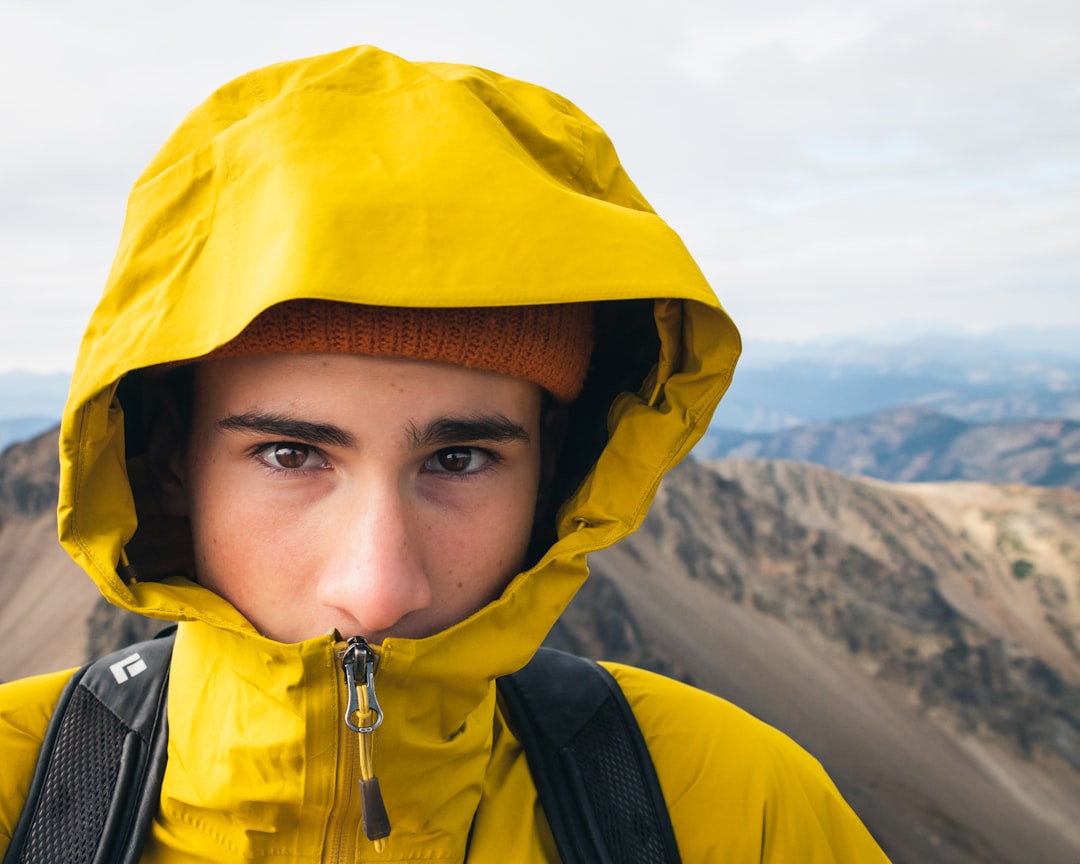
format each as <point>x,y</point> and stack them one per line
<point>25,709</point>
<point>737,789</point>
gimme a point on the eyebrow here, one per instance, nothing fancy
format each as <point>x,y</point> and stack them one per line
<point>440,433</point>
<point>458,430</point>
<point>288,428</point>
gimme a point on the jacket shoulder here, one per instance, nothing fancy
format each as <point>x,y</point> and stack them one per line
<point>736,788</point>
<point>26,706</point>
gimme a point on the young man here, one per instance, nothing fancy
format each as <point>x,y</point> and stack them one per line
<point>388,348</point>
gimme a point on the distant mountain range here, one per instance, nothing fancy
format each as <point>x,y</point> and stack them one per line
<point>29,404</point>
<point>1016,375</point>
<point>919,444</point>
<point>32,394</point>
<point>22,429</point>
<point>1019,374</point>
<point>921,640</point>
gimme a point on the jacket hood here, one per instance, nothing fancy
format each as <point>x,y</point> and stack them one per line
<point>360,177</point>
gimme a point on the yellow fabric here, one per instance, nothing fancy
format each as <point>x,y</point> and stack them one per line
<point>25,709</point>
<point>359,177</point>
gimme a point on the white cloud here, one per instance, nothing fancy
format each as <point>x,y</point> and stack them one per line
<point>833,166</point>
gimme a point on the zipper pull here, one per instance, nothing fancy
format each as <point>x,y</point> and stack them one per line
<point>357,655</point>
<point>363,716</point>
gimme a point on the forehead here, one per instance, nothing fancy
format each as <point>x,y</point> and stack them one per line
<point>343,383</point>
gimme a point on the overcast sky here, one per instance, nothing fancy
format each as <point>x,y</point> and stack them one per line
<point>838,167</point>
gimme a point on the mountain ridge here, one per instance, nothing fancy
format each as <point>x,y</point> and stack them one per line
<point>915,443</point>
<point>891,629</point>
<point>910,664</point>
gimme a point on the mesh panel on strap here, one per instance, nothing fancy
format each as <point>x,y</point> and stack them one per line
<point>79,784</point>
<point>610,769</point>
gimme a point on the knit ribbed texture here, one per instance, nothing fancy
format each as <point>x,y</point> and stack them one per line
<point>549,345</point>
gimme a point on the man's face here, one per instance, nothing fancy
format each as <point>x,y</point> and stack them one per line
<point>379,497</point>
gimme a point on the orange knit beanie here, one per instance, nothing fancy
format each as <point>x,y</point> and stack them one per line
<point>549,345</point>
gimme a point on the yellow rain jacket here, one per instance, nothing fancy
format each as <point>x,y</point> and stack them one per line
<point>360,177</point>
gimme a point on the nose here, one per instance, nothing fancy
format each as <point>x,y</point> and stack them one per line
<point>375,575</point>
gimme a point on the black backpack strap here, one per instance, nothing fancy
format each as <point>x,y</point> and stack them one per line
<point>98,777</point>
<point>592,770</point>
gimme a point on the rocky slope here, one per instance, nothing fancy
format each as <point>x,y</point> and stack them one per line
<point>29,478</point>
<point>44,598</point>
<point>921,640</point>
<point>918,444</point>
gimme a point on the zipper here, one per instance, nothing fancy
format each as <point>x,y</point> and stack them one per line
<point>345,814</point>
<point>363,716</point>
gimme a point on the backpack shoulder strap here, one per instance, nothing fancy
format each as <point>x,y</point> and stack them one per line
<point>95,789</point>
<point>589,761</point>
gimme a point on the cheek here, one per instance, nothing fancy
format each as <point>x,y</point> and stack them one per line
<point>255,559</point>
<point>498,536</point>
<point>226,543</point>
<point>229,528</point>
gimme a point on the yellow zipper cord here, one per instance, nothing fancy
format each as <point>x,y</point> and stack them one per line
<point>359,665</point>
<point>374,811</point>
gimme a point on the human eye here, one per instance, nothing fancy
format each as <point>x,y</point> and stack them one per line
<point>290,456</point>
<point>460,460</point>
